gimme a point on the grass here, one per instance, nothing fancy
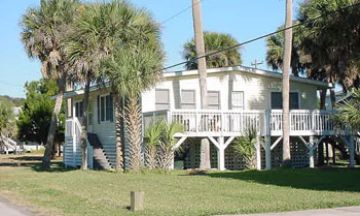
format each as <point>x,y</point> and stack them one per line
<point>75,192</point>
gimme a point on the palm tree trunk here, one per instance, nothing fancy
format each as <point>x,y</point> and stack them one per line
<point>332,98</point>
<point>52,129</point>
<point>133,123</point>
<point>286,85</point>
<point>200,51</point>
<point>322,98</point>
<point>84,127</point>
<point>119,166</point>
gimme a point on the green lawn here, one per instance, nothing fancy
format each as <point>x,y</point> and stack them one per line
<point>74,192</point>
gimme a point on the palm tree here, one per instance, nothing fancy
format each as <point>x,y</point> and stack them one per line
<point>99,31</point>
<point>286,84</point>
<point>213,41</point>
<point>275,53</point>
<point>133,68</point>
<point>331,41</point>
<point>152,137</point>
<point>42,33</point>
<point>168,141</point>
<point>201,65</point>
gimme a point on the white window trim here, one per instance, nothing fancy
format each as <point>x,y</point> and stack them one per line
<point>243,102</point>
<point>76,102</point>
<point>163,89</point>
<point>181,102</point>
<point>219,98</point>
<point>105,110</point>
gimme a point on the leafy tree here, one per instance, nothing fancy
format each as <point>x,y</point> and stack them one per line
<point>44,29</point>
<point>214,41</point>
<point>6,121</point>
<point>35,116</point>
<point>17,102</point>
<point>133,68</point>
<point>245,147</point>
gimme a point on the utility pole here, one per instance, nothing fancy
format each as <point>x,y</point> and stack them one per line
<point>286,85</point>
<point>200,51</point>
<point>256,63</point>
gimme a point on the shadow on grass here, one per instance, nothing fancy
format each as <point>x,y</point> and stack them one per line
<point>33,162</point>
<point>330,179</point>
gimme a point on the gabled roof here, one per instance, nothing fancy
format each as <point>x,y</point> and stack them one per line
<point>219,71</point>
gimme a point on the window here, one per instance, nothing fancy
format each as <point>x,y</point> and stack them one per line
<point>162,99</point>
<point>79,109</point>
<point>237,100</point>
<point>213,100</point>
<point>276,100</point>
<point>105,108</point>
<point>188,99</point>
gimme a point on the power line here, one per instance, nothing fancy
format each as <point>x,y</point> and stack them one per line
<point>177,14</point>
<point>257,38</point>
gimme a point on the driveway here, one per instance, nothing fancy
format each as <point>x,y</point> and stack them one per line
<point>7,209</point>
<point>348,211</point>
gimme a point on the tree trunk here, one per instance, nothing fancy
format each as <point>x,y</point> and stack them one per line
<point>334,155</point>
<point>286,85</point>
<point>119,166</point>
<point>84,127</point>
<point>332,98</point>
<point>52,130</point>
<point>323,99</point>
<point>327,153</point>
<point>200,51</point>
<point>321,146</point>
<point>133,123</point>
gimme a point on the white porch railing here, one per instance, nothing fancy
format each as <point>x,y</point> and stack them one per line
<point>207,122</point>
<point>72,154</point>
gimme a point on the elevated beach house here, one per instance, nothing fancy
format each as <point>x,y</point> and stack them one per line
<point>238,98</point>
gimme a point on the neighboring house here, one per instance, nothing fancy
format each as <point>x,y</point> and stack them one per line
<point>238,98</point>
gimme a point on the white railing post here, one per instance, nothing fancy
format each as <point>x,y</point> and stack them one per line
<point>222,123</point>
<point>74,139</point>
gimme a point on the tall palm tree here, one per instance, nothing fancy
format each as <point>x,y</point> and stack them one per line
<point>43,29</point>
<point>100,29</point>
<point>275,53</point>
<point>133,68</point>
<point>205,162</point>
<point>213,41</point>
<point>286,84</point>
<point>331,40</point>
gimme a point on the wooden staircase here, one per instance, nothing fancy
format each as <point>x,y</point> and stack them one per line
<point>101,160</point>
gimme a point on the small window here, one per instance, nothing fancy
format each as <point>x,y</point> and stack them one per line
<point>79,109</point>
<point>213,100</point>
<point>237,100</point>
<point>276,100</point>
<point>106,108</point>
<point>188,99</point>
<point>162,99</point>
